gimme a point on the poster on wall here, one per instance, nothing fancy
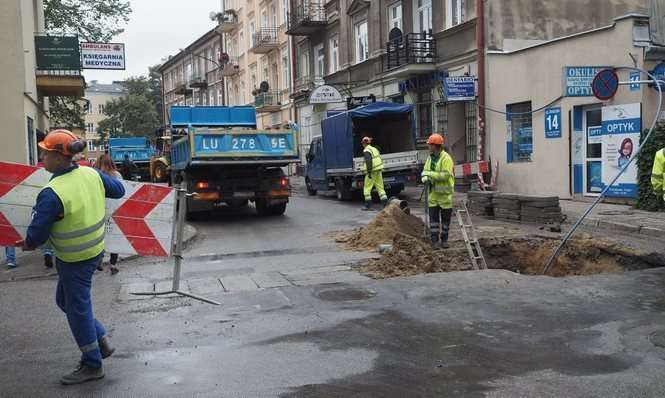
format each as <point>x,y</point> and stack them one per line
<point>622,125</point>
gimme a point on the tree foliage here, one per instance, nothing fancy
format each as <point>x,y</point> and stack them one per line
<point>133,115</point>
<point>646,198</point>
<point>92,20</point>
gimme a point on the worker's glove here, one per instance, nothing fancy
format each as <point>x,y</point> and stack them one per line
<point>426,173</point>
<point>425,179</point>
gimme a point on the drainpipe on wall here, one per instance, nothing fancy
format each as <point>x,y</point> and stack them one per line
<point>292,54</point>
<point>480,42</point>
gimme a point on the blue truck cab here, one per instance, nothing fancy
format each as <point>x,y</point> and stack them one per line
<point>222,157</point>
<point>137,149</point>
<point>335,158</point>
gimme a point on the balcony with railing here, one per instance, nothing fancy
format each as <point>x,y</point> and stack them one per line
<point>231,66</point>
<point>227,22</point>
<point>198,81</point>
<point>307,18</point>
<point>60,83</point>
<point>410,53</point>
<point>182,88</point>
<point>268,101</point>
<point>264,41</point>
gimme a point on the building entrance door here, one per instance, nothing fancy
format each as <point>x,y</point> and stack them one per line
<point>593,151</point>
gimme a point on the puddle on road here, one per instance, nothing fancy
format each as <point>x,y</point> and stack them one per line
<point>581,256</point>
<point>345,294</point>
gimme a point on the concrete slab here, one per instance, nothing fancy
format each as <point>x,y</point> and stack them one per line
<point>205,285</point>
<point>269,280</point>
<point>314,270</point>
<point>138,287</point>
<point>238,283</point>
<point>328,277</point>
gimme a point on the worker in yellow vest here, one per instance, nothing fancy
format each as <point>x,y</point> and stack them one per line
<point>373,169</point>
<point>70,214</point>
<point>438,173</point>
<point>658,173</point>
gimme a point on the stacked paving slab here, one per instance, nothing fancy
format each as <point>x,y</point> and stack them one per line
<point>480,203</point>
<point>540,209</point>
<point>506,206</point>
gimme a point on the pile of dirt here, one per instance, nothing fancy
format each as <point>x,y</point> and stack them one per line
<point>388,223</point>
<point>412,256</point>
<point>580,256</point>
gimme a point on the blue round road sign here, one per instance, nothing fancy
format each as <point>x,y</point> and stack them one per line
<point>605,84</point>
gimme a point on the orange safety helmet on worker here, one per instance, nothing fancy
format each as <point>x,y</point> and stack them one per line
<point>62,141</point>
<point>435,139</point>
<point>373,169</point>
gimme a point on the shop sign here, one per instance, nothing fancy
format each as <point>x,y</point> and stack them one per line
<point>354,102</point>
<point>577,80</point>
<point>57,53</point>
<point>460,88</point>
<point>103,56</point>
<point>553,122</point>
<point>659,73</point>
<point>325,95</point>
<point>622,125</point>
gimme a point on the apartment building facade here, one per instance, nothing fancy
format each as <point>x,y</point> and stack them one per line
<point>403,51</point>
<point>97,96</point>
<point>244,60</point>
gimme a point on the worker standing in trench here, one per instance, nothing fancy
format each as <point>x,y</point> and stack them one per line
<point>70,213</point>
<point>658,173</point>
<point>438,174</point>
<point>373,168</point>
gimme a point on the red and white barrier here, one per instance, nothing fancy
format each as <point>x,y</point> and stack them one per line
<point>141,223</point>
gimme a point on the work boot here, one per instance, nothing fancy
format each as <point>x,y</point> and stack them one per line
<point>105,347</point>
<point>444,245</point>
<point>82,374</point>
<point>48,261</point>
<point>114,269</point>
<point>384,202</point>
<point>368,205</point>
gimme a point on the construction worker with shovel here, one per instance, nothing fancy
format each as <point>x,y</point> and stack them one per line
<point>373,168</point>
<point>438,176</point>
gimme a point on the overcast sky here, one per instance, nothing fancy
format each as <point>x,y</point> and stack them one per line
<point>157,29</point>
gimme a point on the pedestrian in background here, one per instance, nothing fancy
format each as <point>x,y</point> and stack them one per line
<point>70,212</point>
<point>438,173</point>
<point>10,257</point>
<point>105,165</point>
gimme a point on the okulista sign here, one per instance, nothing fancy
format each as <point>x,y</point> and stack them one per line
<point>103,56</point>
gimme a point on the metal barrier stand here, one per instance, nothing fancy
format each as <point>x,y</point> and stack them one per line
<point>180,210</point>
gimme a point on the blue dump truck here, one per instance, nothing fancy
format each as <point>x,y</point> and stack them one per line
<point>138,149</point>
<point>222,157</point>
<point>335,159</point>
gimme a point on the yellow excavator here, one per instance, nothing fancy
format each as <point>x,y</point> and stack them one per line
<point>160,163</point>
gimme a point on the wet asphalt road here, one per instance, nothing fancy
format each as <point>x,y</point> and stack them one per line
<point>295,321</point>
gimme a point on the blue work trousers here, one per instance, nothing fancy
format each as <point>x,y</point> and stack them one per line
<point>10,255</point>
<point>73,297</point>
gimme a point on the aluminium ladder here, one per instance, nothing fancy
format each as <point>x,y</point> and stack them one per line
<point>470,238</point>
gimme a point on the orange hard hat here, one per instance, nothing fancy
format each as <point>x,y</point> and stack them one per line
<point>63,141</point>
<point>435,139</point>
<point>366,140</point>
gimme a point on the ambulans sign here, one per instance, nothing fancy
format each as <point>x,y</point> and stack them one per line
<point>103,56</point>
<point>622,125</point>
<point>577,80</point>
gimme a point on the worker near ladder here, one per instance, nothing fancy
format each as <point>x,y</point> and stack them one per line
<point>438,174</point>
<point>658,173</point>
<point>373,168</point>
<point>70,213</point>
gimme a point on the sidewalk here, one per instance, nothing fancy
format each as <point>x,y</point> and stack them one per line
<point>31,264</point>
<point>622,218</point>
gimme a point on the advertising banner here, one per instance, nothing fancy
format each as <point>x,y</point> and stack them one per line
<point>577,80</point>
<point>103,56</point>
<point>622,125</point>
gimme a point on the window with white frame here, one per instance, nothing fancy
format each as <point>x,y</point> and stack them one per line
<point>361,42</point>
<point>91,146</point>
<point>395,16</point>
<point>454,13</point>
<point>220,94</point>
<point>252,29</point>
<point>264,18</point>
<point>273,15</point>
<point>285,11</point>
<point>422,15</point>
<point>334,54</point>
<point>242,93</point>
<point>319,65</point>
<point>100,108</point>
<point>286,78</point>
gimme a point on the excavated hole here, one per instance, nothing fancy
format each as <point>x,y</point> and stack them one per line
<point>581,256</point>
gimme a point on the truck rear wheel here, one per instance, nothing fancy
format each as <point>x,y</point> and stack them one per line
<point>159,173</point>
<point>343,190</point>
<point>264,210</point>
<point>278,210</point>
<point>310,189</point>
